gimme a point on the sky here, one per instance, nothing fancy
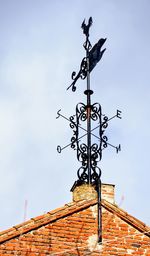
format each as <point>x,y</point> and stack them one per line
<point>41,45</point>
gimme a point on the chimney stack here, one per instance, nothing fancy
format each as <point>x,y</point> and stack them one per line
<point>88,191</point>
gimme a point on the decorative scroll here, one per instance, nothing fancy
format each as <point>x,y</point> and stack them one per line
<point>81,116</point>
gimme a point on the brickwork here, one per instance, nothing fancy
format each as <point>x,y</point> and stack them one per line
<point>87,192</point>
<point>108,192</point>
<point>84,192</point>
<point>72,230</point>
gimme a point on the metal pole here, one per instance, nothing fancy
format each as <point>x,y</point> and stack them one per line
<point>88,117</point>
<point>99,212</point>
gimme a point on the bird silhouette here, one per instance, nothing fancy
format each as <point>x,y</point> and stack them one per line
<point>95,54</point>
<point>86,27</point>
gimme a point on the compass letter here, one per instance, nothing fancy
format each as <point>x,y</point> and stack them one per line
<point>59,149</point>
<point>118,148</point>
<point>118,114</point>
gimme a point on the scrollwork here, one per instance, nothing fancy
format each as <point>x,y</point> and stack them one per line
<point>73,77</point>
<point>81,74</point>
<point>82,175</point>
<point>96,154</point>
<point>87,45</point>
<point>83,68</point>
<point>96,174</point>
<point>72,122</point>
<point>73,126</point>
<point>96,112</point>
<point>105,122</point>
<point>81,112</point>
<point>104,141</point>
<point>82,153</point>
<point>73,142</point>
<point>82,148</point>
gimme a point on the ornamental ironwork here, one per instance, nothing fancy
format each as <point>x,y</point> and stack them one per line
<point>89,123</point>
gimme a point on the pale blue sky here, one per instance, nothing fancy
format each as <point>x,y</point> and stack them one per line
<point>40,46</point>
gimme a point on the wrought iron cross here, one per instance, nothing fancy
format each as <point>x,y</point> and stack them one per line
<point>89,152</point>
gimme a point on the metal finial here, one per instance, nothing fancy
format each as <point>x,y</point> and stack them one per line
<point>86,27</point>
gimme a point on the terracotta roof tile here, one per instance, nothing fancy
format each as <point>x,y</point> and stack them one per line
<point>68,210</point>
<point>127,217</point>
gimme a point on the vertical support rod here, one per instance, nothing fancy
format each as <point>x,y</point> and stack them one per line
<point>99,212</point>
<point>88,115</point>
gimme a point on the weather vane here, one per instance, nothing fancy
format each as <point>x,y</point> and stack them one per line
<point>89,152</point>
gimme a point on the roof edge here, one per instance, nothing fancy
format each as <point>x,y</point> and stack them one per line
<point>49,217</point>
<point>136,223</point>
<point>66,210</point>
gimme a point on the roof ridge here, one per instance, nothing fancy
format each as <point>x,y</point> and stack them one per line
<point>66,210</point>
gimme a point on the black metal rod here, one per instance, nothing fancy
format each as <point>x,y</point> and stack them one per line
<point>99,212</point>
<point>88,114</point>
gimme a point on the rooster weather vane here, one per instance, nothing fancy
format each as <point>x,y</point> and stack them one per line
<point>89,152</point>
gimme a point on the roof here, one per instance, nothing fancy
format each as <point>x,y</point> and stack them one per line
<point>66,210</point>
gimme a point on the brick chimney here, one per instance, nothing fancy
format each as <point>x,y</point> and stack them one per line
<point>108,192</point>
<point>86,192</point>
